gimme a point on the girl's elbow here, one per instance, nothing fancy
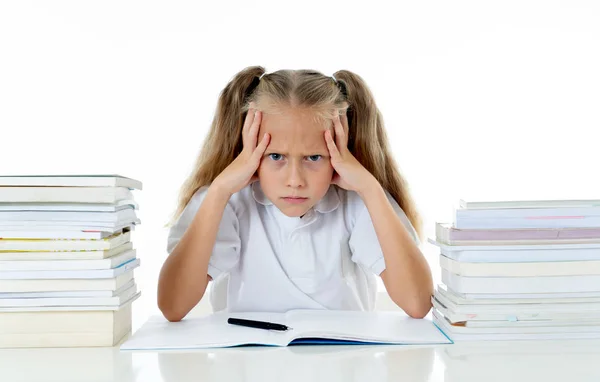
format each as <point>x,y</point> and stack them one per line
<point>171,312</point>
<point>173,316</point>
<point>419,311</point>
<point>171,309</point>
<point>416,308</point>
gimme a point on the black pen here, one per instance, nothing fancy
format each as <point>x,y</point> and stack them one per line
<point>257,324</point>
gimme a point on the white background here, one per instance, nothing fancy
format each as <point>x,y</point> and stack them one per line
<point>482,99</point>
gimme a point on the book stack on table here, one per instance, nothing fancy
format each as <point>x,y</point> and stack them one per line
<point>520,270</point>
<point>66,260</point>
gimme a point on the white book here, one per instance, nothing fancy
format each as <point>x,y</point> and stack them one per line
<point>64,194</point>
<point>64,265</point>
<point>124,214</point>
<point>543,284</point>
<point>531,329</point>
<point>61,232</point>
<point>74,308</point>
<point>62,340</point>
<point>522,298</point>
<point>90,207</point>
<point>540,314</point>
<point>69,301</point>
<point>530,213</point>
<point>538,326</point>
<point>66,322</point>
<point>65,245</point>
<point>74,225</point>
<point>51,329</point>
<point>448,234</point>
<point>73,293</point>
<point>324,325</point>
<point>459,337</point>
<point>528,204</point>
<point>518,242</point>
<point>65,255</point>
<point>522,269</point>
<point>525,324</point>
<point>64,285</point>
<point>99,180</point>
<point>527,223</point>
<point>509,311</point>
<point>541,296</point>
<point>71,274</point>
<point>520,253</point>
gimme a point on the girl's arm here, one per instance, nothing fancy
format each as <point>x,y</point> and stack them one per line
<point>407,276</point>
<point>184,275</point>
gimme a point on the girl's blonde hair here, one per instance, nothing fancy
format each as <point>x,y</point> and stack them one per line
<point>367,139</point>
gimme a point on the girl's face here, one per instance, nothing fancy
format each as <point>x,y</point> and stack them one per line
<point>296,162</point>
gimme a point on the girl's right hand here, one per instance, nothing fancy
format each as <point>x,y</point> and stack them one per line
<point>241,171</point>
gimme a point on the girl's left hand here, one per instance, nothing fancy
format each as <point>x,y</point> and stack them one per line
<point>349,173</point>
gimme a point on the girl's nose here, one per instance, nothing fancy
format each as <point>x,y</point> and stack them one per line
<point>295,176</point>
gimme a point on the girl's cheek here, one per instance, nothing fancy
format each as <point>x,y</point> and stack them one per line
<point>320,165</point>
<point>269,165</point>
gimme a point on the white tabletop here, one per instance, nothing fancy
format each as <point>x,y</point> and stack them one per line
<point>461,362</point>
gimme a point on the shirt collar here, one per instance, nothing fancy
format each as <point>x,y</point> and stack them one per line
<point>328,203</point>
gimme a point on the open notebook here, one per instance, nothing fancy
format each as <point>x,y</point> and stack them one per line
<point>307,326</point>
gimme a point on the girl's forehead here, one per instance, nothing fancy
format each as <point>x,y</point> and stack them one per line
<point>295,140</point>
<point>293,120</point>
<point>295,132</point>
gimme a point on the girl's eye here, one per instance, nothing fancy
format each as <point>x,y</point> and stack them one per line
<point>314,158</point>
<point>278,156</point>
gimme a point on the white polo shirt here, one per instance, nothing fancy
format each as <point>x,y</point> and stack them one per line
<point>264,260</point>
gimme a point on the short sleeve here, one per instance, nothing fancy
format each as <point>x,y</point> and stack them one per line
<point>226,251</point>
<point>364,243</point>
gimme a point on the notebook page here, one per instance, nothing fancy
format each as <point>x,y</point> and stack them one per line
<point>383,327</point>
<point>204,332</point>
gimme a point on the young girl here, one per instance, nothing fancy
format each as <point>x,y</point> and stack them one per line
<point>295,203</point>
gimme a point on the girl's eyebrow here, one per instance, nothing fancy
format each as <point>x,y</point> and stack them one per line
<point>314,152</point>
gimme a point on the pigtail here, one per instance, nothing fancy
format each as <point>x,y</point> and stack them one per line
<point>368,142</point>
<point>362,121</point>
<point>224,140</point>
<point>229,116</point>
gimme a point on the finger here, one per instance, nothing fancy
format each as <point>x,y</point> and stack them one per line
<point>247,123</point>
<point>340,135</point>
<point>253,132</point>
<point>262,146</point>
<point>333,150</point>
<point>344,120</point>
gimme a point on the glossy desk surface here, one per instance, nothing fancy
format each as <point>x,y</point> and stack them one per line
<point>485,361</point>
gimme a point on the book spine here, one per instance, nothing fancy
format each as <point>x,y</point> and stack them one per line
<point>522,256</point>
<point>523,223</point>
<point>531,213</point>
<point>526,269</point>
<point>70,274</point>
<point>548,284</point>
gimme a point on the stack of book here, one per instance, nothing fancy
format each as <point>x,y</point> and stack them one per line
<point>520,270</point>
<point>66,260</point>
